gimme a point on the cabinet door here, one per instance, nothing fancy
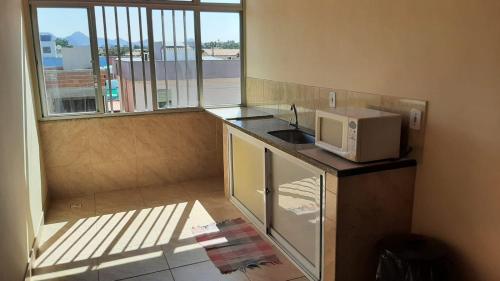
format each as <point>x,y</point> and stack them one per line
<point>294,204</point>
<point>248,174</point>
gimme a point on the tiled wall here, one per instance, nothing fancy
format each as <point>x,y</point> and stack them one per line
<point>276,97</point>
<point>83,156</point>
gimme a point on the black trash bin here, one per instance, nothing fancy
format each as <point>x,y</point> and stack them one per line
<point>412,258</point>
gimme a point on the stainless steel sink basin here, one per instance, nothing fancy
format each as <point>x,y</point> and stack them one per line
<point>293,136</point>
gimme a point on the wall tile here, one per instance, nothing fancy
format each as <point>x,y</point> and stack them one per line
<point>155,135</point>
<point>411,138</point>
<point>115,175</point>
<point>272,96</point>
<point>273,92</point>
<point>358,99</point>
<point>308,99</point>
<point>254,93</point>
<point>65,142</point>
<point>71,180</point>
<point>84,156</point>
<point>290,96</point>
<point>308,96</point>
<point>152,171</point>
<point>111,139</point>
<point>219,145</point>
<point>196,132</point>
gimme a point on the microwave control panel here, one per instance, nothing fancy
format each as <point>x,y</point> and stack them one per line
<point>352,135</point>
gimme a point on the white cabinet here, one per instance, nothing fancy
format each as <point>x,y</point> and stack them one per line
<point>280,194</point>
<point>247,156</point>
<point>295,202</point>
<point>328,225</point>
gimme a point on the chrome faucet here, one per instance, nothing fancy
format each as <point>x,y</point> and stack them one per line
<point>296,124</point>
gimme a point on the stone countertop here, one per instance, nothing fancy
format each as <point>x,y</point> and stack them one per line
<point>235,113</point>
<point>310,153</point>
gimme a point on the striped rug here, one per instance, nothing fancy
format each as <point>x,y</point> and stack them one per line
<point>235,245</point>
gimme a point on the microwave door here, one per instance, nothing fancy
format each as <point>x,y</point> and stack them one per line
<point>332,132</point>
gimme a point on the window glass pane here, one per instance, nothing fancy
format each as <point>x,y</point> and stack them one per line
<point>220,35</point>
<point>69,85</point>
<point>123,58</point>
<point>175,58</point>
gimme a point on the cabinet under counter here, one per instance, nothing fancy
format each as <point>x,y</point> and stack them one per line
<point>353,212</point>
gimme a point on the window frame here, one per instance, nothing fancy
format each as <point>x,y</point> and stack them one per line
<point>194,5</point>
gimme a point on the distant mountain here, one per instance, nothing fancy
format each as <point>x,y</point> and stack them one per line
<point>111,42</point>
<point>78,39</point>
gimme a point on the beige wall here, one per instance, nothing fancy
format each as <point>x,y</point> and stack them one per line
<point>21,186</point>
<point>35,175</point>
<point>84,156</point>
<point>446,52</point>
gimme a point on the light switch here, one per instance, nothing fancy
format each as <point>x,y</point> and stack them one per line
<point>333,99</point>
<point>415,119</point>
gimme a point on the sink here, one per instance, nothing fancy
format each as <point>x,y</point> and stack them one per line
<point>293,136</point>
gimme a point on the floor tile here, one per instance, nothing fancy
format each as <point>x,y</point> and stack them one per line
<point>184,252</point>
<point>118,201</point>
<point>52,233</point>
<point>70,209</point>
<point>224,211</point>
<point>205,271</point>
<point>164,195</point>
<point>131,264</point>
<point>72,245</point>
<point>141,234</point>
<point>205,187</point>
<point>196,214</point>
<point>165,275</point>
<point>80,271</point>
<point>278,272</point>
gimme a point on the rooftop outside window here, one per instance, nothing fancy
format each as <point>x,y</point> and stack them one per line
<point>137,57</point>
<point>221,53</point>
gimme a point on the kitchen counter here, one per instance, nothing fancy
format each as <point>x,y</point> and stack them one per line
<point>259,126</point>
<point>235,113</point>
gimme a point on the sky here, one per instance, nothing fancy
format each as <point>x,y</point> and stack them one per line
<point>63,22</point>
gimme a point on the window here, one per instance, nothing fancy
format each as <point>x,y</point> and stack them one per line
<point>137,57</point>
<point>122,43</point>
<point>66,67</point>
<point>175,58</point>
<point>220,41</point>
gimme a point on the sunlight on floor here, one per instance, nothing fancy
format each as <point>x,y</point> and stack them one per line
<point>61,273</point>
<point>129,242</point>
<point>131,259</point>
<point>122,232</point>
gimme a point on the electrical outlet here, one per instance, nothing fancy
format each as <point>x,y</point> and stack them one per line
<point>333,99</point>
<point>415,119</point>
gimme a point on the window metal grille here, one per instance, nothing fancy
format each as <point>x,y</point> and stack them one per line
<point>137,56</point>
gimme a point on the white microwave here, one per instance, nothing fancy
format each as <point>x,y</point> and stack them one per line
<point>359,134</point>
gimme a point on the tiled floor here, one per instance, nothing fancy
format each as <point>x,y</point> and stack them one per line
<point>141,235</point>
